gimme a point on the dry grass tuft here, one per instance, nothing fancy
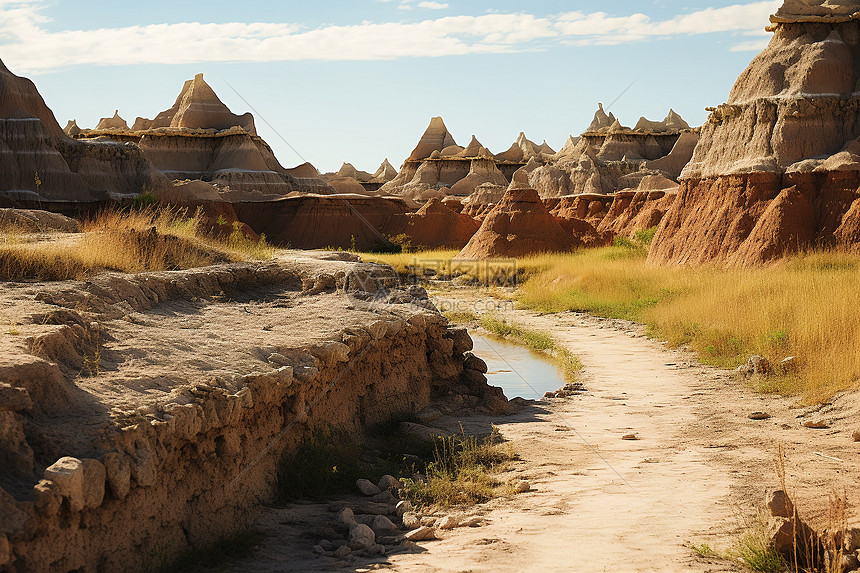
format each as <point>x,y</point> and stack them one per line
<point>127,241</point>
<point>462,473</point>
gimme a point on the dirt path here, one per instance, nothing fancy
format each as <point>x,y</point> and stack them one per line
<point>602,503</point>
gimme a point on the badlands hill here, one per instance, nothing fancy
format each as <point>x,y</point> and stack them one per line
<point>41,166</point>
<point>348,179</point>
<point>609,157</point>
<point>200,138</point>
<point>777,167</point>
<point>438,166</point>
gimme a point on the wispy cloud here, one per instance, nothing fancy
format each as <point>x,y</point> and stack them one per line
<point>27,46</point>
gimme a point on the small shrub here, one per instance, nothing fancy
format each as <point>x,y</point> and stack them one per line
<point>145,200</point>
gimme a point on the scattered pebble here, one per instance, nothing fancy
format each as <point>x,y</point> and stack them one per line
<point>816,424</point>
<point>856,436</point>
<point>522,486</point>
<point>759,416</point>
<point>629,437</point>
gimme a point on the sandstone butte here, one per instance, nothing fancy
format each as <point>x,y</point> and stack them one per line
<point>199,138</point>
<point>777,167</point>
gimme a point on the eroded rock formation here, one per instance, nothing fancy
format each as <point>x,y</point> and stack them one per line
<point>348,179</point>
<point>41,166</point>
<point>609,157</point>
<point>200,138</point>
<point>776,169</point>
<point>143,414</point>
<point>438,167</point>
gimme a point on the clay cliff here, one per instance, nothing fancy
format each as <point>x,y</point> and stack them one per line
<point>41,166</point>
<point>200,138</point>
<point>777,168</point>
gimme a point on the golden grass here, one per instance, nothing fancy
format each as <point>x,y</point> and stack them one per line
<point>126,241</point>
<point>805,307</point>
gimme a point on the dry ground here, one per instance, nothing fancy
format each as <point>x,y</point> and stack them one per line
<point>698,470</point>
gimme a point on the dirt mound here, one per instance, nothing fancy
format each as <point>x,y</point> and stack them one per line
<point>320,221</point>
<point>519,225</point>
<point>36,221</point>
<point>785,140</point>
<point>435,225</point>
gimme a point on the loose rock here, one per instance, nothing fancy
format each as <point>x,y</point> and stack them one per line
<point>759,416</point>
<point>388,483</point>
<point>816,424</point>
<point>523,486</point>
<point>367,488</point>
<point>342,551</point>
<point>449,522</point>
<point>382,524</point>
<point>856,436</point>
<point>779,504</point>
<point>629,437</point>
<point>411,520</point>
<point>346,517</point>
<point>68,475</point>
<point>318,549</point>
<point>421,534</point>
<point>361,537</point>
<point>377,549</point>
<point>384,497</point>
<point>428,521</point>
<point>755,365</point>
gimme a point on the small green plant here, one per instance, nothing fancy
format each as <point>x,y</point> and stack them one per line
<point>704,550</point>
<point>220,220</point>
<point>145,200</point>
<point>759,554</point>
<point>13,329</point>
<point>352,243</point>
<point>645,236</point>
<point>37,181</point>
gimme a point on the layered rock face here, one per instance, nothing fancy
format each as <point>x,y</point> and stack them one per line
<point>609,157</point>
<point>177,435</point>
<point>200,138</point>
<point>438,167</point>
<point>41,166</point>
<point>777,167</point>
<point>435,225</point>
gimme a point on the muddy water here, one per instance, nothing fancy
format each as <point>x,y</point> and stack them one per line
<point>517,370</point>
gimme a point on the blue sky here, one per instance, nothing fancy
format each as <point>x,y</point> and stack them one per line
<point>359,80</point>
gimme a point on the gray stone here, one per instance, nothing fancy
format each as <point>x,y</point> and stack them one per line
<point>361,537</point>
<point>346,517</point>
<point>523,486</point>
<point>382,524</point>
<point>366,487</point>
<point>384,497</point>
<point>326,545</point>
<point>342,551</point>
<point>377,549</point>
<point>388,482</point>
<point>759,416</point>
<point>68,475</point>
<point>428,521</point>
<point>318,549</point>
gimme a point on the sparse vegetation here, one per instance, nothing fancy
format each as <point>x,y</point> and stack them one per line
<point>128,241</point>
<point>757,551</point>
<point>803,307</point>
<point>461,473</point>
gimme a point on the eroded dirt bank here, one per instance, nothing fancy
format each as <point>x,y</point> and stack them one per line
<point>697,471</point>
<point>141,414</point>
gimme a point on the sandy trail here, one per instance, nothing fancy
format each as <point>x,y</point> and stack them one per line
<point>698,469</point>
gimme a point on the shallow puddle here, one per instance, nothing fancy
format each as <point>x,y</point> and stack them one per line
<point>516,369</point>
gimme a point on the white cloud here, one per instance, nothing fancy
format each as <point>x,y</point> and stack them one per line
<point>28,47</point>
<point>432,5</point>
